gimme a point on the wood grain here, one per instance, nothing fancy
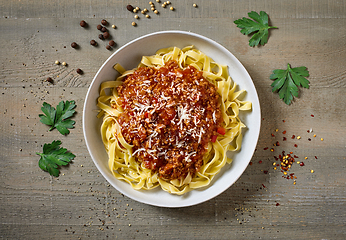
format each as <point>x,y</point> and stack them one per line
<point>260,205</point>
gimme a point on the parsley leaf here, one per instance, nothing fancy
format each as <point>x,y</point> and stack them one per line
<point>287,82</point>
<point>57,118</point>
<point>259,27</point>
<point>54,156</point>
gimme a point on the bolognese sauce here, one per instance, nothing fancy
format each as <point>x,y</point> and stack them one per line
<point>170,115</point>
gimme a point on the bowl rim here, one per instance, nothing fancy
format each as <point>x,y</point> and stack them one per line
<point>256,136</point>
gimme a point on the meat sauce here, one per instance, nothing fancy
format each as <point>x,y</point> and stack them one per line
<point>170,115</point>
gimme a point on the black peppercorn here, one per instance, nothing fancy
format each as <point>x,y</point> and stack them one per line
<point>50,80</point>
<point>79,71</point>
<point>101,37</point>
<point>106,35</point>
<point>103,29</point>
<point>104,22</point>
<point>93,42</point>
<point>74,45</point>
<point>99,27</point>
<point>111,43</point>
<point>108,47</point>
<point>130,8</point>
<point>82,23</point>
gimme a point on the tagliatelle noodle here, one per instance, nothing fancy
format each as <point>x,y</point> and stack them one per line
<point>122,162</point>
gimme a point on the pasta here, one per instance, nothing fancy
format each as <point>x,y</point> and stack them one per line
<point>127,161</point>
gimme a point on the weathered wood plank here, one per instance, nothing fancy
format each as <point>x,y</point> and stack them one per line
<point>260,205</point>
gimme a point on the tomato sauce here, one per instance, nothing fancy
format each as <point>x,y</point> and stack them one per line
<point>170,115</point>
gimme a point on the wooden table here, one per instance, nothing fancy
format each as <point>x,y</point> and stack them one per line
<point>80,204</point>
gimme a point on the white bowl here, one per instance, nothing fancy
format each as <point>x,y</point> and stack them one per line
<point>129,56</point>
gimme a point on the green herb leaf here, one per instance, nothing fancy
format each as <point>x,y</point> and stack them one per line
<point>53,156</point>
<point>57,118</point>
<point>287,82</point>
<point>258,28</point>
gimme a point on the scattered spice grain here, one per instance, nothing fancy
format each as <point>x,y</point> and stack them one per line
<point>103,29</point>
<point>133,24</point>
<point>111,43</point>
<point>108,47</point>
<point>113,26</point>
<point>99,27</point>
<point>101,37</point>
<point>194,5</point>
<point>104,22</point>
<point>93,43</point>
<point>129,7</point>
<point>83,23</point>
<point>74,45</point>
<point>50,80</point>
<point>57,62</point>
<point>79,71</point>
<point>106,35</point>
